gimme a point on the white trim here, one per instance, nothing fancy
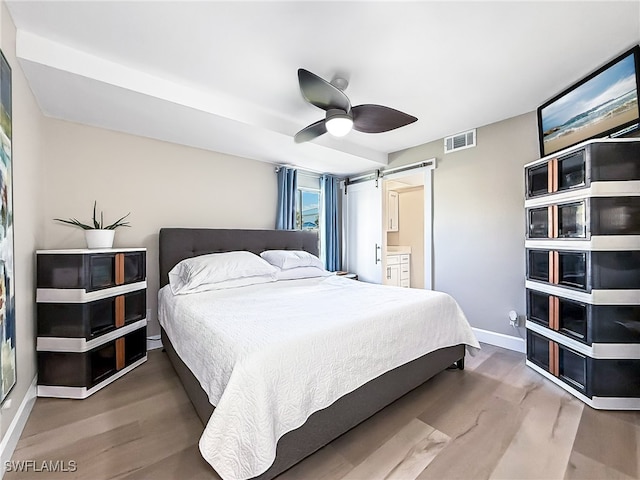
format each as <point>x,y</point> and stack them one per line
<point>428,229</point>
<point>602,243</point>
<point>82,392</point>
<point>500,340</point>
<point>79,345</point>
<point>75,251</point>
<point>153,343</point>
<point>601,403</point>
<point>12,435</point>
<point>595,350</point>
<point>80,295</point>
<point>596,297</point>
<point>615,403</point>
<point>626,188</point>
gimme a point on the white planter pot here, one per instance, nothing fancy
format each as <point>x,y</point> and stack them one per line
<point>99,238</point>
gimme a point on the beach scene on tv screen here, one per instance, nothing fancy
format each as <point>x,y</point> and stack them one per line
<point>605,102</point>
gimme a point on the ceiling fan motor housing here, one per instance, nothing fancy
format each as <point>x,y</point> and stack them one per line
<point>338,122</point>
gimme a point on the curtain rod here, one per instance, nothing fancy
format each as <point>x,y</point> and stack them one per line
<point>309,173</point>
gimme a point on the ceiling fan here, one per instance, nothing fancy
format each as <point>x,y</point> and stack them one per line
<point>341,117</point>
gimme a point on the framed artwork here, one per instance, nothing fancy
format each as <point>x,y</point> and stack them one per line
<point>7,283</point>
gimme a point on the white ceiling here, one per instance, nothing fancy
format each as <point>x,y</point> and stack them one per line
<point>222,75</point>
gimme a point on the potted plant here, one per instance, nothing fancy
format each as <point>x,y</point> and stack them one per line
<point>98,235</point>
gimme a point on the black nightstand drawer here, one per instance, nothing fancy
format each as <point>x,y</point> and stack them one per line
<point>90,271</point>
<point>92,319</point>
<point>87,369</point>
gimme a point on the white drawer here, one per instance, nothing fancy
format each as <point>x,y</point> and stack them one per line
<point>404,283</point>
<point>404,275</point>
<point>393,259</point>
<point>404,258</point>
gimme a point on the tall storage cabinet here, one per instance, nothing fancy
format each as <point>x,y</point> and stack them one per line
<point>583,271</point>
<point>91,318</point>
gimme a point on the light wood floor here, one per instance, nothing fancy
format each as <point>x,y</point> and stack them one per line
<point>495,419</point>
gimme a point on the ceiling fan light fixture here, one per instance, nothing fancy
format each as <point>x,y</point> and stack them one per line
<point>338,123</point>
<point>341,117</point>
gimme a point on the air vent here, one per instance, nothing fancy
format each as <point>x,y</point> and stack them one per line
<point>460,141</point>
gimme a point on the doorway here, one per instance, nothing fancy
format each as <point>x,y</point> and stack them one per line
<point>388,228</point>
<point>408,235</point>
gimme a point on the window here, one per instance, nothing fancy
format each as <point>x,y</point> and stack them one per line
<point>308,201</point>
<point>309,204</point>
<point>308,209</point>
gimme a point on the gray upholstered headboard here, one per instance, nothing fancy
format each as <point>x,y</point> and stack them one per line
<point>176,244</point>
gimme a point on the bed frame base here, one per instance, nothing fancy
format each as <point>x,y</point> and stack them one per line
<point>345,413</point>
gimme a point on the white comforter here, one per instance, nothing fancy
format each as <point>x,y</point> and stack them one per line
<point>270,355</point>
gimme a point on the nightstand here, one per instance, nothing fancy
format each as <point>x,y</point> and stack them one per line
<point>91,318</point>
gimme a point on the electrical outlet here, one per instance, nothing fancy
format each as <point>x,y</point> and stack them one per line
<point>513,318</point>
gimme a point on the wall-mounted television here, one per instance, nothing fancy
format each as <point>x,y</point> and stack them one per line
<point>603,104</point>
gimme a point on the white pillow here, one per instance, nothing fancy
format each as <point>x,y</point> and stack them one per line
<point>219,270</point>
<point>286,259</point>
<point>233,283</point>
<point>302,272</point>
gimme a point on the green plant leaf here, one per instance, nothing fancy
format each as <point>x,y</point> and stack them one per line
<point>76,223</point>
<point>118,223</point>
<point>96,225</point>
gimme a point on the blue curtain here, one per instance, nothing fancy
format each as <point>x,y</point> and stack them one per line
<point>287,189</point>
<point>331,227</point>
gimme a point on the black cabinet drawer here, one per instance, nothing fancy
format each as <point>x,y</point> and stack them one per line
<point>585,270</point>
<point>583,218</point>
<point>87,369</point>
<point>90,271</point>
<point>594,162</point>
<point>584,322</point>
<point>560,314</point>
<point>593,377</point>
<point>92,319</point>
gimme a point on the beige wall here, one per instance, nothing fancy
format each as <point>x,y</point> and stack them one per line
<point>27,202</point>
<point>478,215</point>
<point>161,184</point>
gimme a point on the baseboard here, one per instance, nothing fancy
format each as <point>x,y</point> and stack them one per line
<point>153,342</point>
<point>516,344</point>
<point>12,435</point>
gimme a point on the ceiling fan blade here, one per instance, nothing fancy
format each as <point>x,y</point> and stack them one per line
<point>321,93</point>
<point>310,132</point>
<point>371,118</point>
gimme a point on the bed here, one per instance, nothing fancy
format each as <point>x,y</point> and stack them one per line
<point>325,422</point>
